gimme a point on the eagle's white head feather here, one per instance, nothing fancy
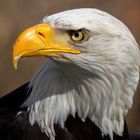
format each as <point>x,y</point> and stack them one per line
<point>99,83</point>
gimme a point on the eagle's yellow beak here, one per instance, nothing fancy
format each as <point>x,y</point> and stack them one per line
<point>37,41</point>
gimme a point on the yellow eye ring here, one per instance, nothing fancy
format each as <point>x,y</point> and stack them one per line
<point>79,35</point>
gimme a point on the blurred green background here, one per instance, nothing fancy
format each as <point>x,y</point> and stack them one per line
<point>17,15</point>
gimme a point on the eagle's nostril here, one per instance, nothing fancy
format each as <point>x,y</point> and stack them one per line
<point>41,34</point>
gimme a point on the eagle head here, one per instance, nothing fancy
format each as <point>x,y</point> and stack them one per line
<point>92,69</point>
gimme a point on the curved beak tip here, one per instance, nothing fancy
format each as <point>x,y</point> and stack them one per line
<point>15,62</point>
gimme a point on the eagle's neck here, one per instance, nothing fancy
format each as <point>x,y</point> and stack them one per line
<point>58,92</point>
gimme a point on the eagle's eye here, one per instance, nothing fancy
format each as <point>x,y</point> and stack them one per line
<point>79,35</point>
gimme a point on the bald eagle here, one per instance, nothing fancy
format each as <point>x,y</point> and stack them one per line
<point>85,88</point>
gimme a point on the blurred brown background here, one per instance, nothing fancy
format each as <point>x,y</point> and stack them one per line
<point>16,15</point>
